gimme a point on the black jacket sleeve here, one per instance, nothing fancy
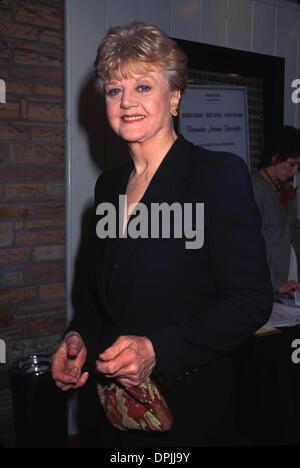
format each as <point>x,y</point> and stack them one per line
<point>90,319</point>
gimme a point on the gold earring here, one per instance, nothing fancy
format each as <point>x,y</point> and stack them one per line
<point>174,111</point>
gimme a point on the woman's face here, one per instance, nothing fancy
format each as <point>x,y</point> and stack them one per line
<point>139,105</point>
<point>284,170</point>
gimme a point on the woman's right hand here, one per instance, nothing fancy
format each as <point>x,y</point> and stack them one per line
<point>68,361</point>
<point>289,287</point>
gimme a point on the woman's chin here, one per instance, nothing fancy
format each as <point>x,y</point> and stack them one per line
<point>131,138</point>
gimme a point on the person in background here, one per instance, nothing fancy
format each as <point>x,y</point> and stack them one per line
<point>276,199</point>
<point>158,308</point>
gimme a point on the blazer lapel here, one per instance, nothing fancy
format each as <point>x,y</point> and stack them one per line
<point>166,186</point>
<point>106,245</point>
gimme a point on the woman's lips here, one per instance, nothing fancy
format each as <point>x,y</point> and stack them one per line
<point>132,118</point>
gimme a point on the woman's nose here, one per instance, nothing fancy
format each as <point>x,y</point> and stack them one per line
<point>128,99</point>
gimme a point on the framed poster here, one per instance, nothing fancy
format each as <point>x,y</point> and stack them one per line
<point>216,118</point>
<point>263,77</point>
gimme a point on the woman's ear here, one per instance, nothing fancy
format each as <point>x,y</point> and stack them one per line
<point>274,160</point>
<point>175,100</point>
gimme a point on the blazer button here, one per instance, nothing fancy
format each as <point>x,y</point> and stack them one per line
<point>116,266</point>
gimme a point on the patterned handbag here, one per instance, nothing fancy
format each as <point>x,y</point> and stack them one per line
<point>143,407</point>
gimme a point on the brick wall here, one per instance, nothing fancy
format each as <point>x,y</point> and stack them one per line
<point>32,208</point>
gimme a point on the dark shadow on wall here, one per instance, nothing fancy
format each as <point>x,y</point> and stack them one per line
<point>107,151</point>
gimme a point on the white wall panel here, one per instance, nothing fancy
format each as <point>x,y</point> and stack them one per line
<point>157,12</point>
<point>118,12</point>
<point>263,32</point>
<point>239,24</point>
<point>213,22</point>
<point>186,19</point>
<point>287,36</point>
<point>82,39</point>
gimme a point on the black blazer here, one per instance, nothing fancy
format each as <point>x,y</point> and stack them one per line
<point>195,305</point>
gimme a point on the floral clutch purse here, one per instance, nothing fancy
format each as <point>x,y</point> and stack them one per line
<point>143,407</point>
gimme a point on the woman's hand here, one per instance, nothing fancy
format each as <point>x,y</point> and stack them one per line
<point>289,287</point>
<point>67,363</point>
<point>130,360</point>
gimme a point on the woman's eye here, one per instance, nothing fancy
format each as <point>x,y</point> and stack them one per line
<point>144,88</point>
<point>113,92</point>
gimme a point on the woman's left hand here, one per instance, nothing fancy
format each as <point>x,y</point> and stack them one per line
<point>130,360</point>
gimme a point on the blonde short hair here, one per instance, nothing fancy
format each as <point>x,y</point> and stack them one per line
<point>144,44</point>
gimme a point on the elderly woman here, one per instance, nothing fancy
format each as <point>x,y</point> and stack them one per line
<point>166,306</point>
<point>277,203</point>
